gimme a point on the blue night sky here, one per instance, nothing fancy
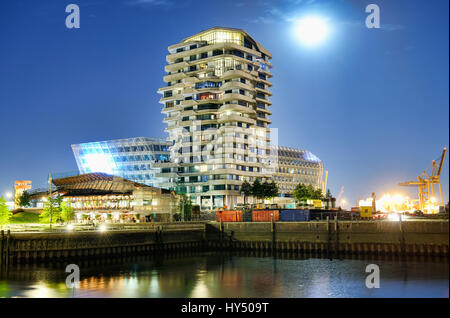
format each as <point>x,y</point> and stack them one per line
<point>371,103</point>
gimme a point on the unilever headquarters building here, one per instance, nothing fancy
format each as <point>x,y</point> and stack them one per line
<point>217,108</point>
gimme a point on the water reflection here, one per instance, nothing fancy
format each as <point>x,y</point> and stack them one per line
<point>229,275</point>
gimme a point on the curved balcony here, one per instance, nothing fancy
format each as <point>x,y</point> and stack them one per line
<point>265,81</point>
<point>175,66</point>
<point>174,77</point>
<point>191,80</point>
<point>231,85</point>
<point>233,117</point>
<point>262,100</point>
<point>232,96</point>
<point>187,103</point>
<point>236,107</point>
<point>188,91</point>
<point>171,109</point>
<point>163,99</point>
<point>237,73</point>
<point>161,90</point>
<point>263,90</point>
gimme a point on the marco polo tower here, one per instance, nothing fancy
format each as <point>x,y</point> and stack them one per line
<point>217,111</point>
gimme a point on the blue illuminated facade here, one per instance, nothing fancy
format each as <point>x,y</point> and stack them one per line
<point>130,158</point>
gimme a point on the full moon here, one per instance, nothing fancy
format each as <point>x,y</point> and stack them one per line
<point>312,31</point>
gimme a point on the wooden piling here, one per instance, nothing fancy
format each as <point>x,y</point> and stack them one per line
<point>8,239</point>
<point>1,247</point>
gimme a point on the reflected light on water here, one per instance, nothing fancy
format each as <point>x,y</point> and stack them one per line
<point>154,284</point>
<point>42,290</point>
<point>234,276</point>
<point>200,290</point>
<point>320,286</point>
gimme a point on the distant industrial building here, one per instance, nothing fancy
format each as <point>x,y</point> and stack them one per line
<point>130,158</point>
<point>296,166</point>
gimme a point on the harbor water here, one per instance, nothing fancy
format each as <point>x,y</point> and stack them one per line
<point>213,274</point>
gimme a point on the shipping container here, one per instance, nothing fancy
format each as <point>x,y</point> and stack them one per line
<point>265,215</point>
<point>247,216</point>
<point>316,214</point>
<point>229,216</point>
<point>294,215</point>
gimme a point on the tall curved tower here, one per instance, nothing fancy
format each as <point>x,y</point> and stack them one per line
<point>217,111</point>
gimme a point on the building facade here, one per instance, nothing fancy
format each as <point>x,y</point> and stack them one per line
<point>217,109</point>
<point>110,198</point>
<point>130,158</point>
<point>296,166</point>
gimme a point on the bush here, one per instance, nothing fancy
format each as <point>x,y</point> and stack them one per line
<point>25,217</point>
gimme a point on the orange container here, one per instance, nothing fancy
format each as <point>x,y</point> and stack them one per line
<point>229,216</point>
<point>265,215</point>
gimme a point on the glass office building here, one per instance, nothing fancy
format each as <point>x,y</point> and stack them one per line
<point>130,158</point>
<point>296,166</point>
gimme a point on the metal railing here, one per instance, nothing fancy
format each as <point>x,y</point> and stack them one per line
<point>104,227</point>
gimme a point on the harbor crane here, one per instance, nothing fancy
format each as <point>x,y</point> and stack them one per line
<point>426,183</point>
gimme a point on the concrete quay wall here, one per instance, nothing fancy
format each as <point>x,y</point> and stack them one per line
<point>334,237</point>
<point>418,238</point>
<point>40,246</point>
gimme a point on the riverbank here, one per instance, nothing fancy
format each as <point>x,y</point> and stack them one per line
<point>331,239</point>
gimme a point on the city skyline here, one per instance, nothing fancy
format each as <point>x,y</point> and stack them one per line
<point>88,87</point>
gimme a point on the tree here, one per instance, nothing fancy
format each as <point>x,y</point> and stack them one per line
<point>317,194</point>
<point>329,195</point>
<point>24,199</point>
<point>5,213</point>
<point>52,210</point>
<point>67,212</point>
<point>303,192</point>
<point>269,189</point>
<point>257,189</point>
<point>247,189</point>
<point>185,207</point>
<point>274,191</point>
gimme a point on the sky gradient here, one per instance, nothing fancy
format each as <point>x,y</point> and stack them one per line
<point>371,103</point>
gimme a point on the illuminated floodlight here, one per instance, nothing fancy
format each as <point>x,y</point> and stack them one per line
<point>394,217</point>
<point>97,162</point>
<point>8,195</point>
<point>69,227</point>
<point>311,30</point>
<point>102,228</point>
